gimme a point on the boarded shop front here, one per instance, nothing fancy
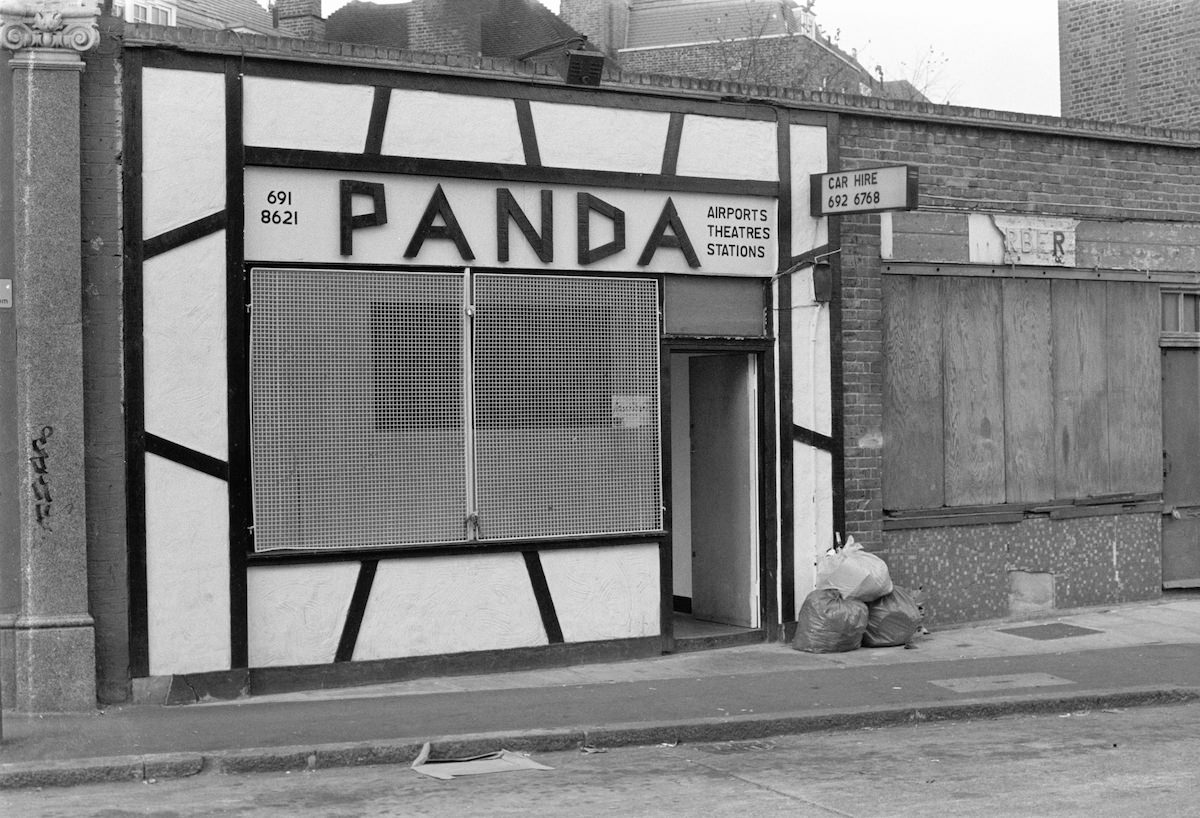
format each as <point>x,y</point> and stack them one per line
<point>1026,389</point>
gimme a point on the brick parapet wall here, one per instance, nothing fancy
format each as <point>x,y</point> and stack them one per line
<point>101,122</point>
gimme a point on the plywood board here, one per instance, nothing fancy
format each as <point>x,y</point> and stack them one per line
<point>912,393</point>
<point>1138,246</point>
<point>1080,382</point>
<point>1028,392</point>
<point>929,237</point>
<point>973,381</point>
<point>1134,388</point>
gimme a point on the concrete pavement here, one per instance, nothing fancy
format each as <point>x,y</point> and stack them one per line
<point>1140,653</point>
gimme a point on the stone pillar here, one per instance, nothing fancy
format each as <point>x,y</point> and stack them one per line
<point>54,638</point>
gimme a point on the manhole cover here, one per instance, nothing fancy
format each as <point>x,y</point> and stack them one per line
<point>1053,630</point>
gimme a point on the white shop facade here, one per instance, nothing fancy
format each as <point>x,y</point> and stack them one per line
<point>433,373</point>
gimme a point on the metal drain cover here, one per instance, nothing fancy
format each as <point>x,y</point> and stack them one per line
<point>1053,630</point>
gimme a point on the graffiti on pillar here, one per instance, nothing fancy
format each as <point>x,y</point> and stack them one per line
<point>41,474</point>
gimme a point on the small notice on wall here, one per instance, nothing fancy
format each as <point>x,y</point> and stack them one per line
<point>5,293</point>
<point>631,411</point>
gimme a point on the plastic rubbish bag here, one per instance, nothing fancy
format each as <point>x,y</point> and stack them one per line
<point>830,624</point>
<point>892,619</point>
<point>856,573</point>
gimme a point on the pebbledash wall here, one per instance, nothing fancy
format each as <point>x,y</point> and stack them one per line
<point>958,407</point>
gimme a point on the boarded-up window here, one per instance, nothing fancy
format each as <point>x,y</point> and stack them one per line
<point>1018,390</point>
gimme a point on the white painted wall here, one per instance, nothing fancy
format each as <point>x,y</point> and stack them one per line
<point>183,324</point>
<point>314,116</point>
<point>453,126</point>
<point>812,472</point>
<point>296,613</point>
<point>812,408</point>
<point>810,155</point>
<point>604,593</point>
<point>593,138</point>
<point>187,569</point>
<point>432,605</point>
<point>985,241</point>
<point>723,148</point>
<point>681,477</point>
<point>812,399</point>
<point>183,152</point>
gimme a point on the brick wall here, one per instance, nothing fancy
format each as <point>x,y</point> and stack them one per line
<point>1131,61</point>
<point>791,62</point>
<point>104,421</point>
<point>861,340</point>
<point>300,18</point>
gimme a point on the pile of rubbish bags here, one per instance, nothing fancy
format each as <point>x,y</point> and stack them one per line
<point>855,605</point>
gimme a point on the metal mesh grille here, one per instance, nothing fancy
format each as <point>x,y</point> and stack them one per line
<point>566,406</point>
<point>357,431</point>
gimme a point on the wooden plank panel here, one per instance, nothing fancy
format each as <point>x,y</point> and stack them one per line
<point>973,384</point>
<point>1080,381</point>
<point>929,237</point>
<point>1134,388</point>
<point>1138,246</point>
<point>912,393</point>
<point>1028,392</point>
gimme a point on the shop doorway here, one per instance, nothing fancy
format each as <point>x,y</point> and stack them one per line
<point>715,493</point>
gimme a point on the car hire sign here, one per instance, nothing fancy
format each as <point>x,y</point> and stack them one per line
<point>866,190</point>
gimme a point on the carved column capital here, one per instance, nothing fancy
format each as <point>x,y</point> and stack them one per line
<point>53,24</point>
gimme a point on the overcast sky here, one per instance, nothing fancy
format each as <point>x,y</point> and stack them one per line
<point>977,54</point>
<point>987,55</point>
